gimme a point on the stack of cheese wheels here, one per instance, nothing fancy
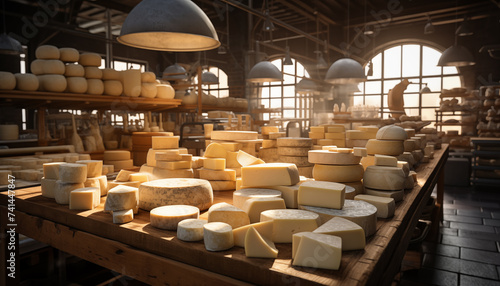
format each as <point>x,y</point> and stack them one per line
<point>360,136</point>
<point>294,150</point>
<point>131,81</point>
<point>164,90</point>
<point>118,158</point>
<point>128,178</point>
<point>74,73</point>
<point>123,203</point>
<point>269,150</point>
<point>340,165</point>
<point>49,69</point>
<point>95,178</point>
<point>7,81</point>
<point>389,141</point>
<point>111,82</point>
<point>24,81</point>
<point>50,177</point>
<point>218,158</point>
<point>91,63</point>
<point>148,85</point>
<point>248,140</point>
<point>71,177</point>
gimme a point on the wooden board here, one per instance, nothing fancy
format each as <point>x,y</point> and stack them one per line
<point>374,265</point>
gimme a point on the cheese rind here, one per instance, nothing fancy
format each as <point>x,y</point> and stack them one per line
<point>259,246</point>
<point>384,147</point>
<point>319,251</point>
<point>123,216</point>
<point>63,191</point>
<point>293,151</point>
<point>254,206</point>
<point>270,174</point>
<point>338,173</point>
<point>352,235</point>
<point>190,229</point>
<point>218,236</point>
<point>385,206</point>
<point>384,178</point>
<point>287,222</point>
<point>51,170</point>
<point>396,195</point>
<point>322,194</point>
<point>73,173</point>
<point>242,195</point>
<point>332,158</point>
<point>167,217</point>
<point>224,212</point>
<point>213,175</point>
<point>265,228</point>
<point>294,142</point>
<point>121,198</point>
<point>94,167</point>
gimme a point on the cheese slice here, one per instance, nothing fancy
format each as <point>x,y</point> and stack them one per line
<point>223,175</point>
<point>385,206</point>
<point>190,229</point>
<point>217,164</point>
<point>94,167</point>
<point>234,135</point>
<point>318,251</point>
<point>287,222</point>
<point>352,235</point>
<point>332,158</point>
<point>218,236</point>
<point>362,213</point>
<point>294,142</point>
<point>259,246</point>
<point>384,147</point>
<point>215,150</point>
<point>84,199</point>
<point>384,160</point>
<point>322,194</point>
<point>224,212</point>
<point>223,185</point>
<point>63,190</point>
<point>121,198</point>
<point>73,173</point>
<point>384,178</point>
<point>164,142</point>
<point>245,159</point>
<point>338,173</point>
<point>174,165</point>
<point>167,217</point>
<point>270,174</point>
<point>396,195</point>
<point>391,132</point>
<point>265,229</point>
<point>48,187</point>
<point>123,176</point>
<point>123,216</point>
<point>254,206</point>
<point>51,170</point>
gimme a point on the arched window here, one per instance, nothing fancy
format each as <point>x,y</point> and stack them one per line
<point>417,63</point>
<point>218,90</point>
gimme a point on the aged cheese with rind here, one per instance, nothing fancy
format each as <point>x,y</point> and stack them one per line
<point>95,86</point>
<point>333,158</point>
<point>121,198</point>
<point>322,194</point>
<point>391,132</point>
<point>148,90</point>
<point>167,217</point>
<point>93,73</point>
<point>384,147</point>
<point>396,195</point>
<point>270,174</point>
<point>287,222</point>
<point>47,52</point>
<point>112,87</point>
<point>259,246</point>
<point>293,151</point>
<point>123,216</point>
<point>265,228</point>
<point>190,229</point>
<point>254,206</point>
<point>69,55</point>
<point>110,74</point>
<point>294,142</point>
<point>51,170</point>
<point>26,82</point>
<point>76,85</point>
<point>52,83</point>
<point>148,77</point>
<point>218,236</point>
<point>224,212</point>
<point>338,173</point>
<point>385,206</point>
<point>73,173</point>
<point>63,191</point>
<point>131,81</point>
<point>384,178</point>
<point>353,236</point>
<point>90,60</point>
<point>307,251</point>
<point>94,167</point>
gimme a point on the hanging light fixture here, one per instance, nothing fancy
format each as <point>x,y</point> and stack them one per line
<point>306,85</point>
<point>370,69</point>
<point>268,24</point>
<point>429,28</point>
<point>168,25</point>
<point>8,45</point>
<point>209,78</point>
<point>288,60</point>
<point>368,30</point>
<point>465,29</point>
<point>320,60</point>
<point>174,72</point>
<point>264,71</point>
<point>425,89</point>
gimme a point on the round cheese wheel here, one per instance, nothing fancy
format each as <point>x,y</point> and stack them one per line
<point>90,60</point>
<point>73,173</point>
<point>7,81</point>
<point>391,132</point>
<point>47,52</point>
<point>36,67</point>
<point>167,217</point>
<point>116,155</point>
<point>93,73</point>
<point>193,192</point>
<point>110,74</point>
<point>333,158</point>
<point>218,236</point>
<point>294,142</point>
<point>148,77</point>
<point>338,173</point>
<point>385,147</point>
<point>148,90</point>
<point>242,195</point>
<point>74,70</point>
<point>52,82</point>
<point>293,151</point>
<point>95,86</point>
<point>191,229</point>
<point>300,161</point>
<point>384,178</point>
<point>69,55</point>
<point>76,84</point>
<point>53,67</point>
<point>165,91</point>
<point>113,87</point>
<point>26,82</point>
<point>94,167</point>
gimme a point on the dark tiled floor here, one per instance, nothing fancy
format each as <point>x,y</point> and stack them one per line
<point>468,247</point>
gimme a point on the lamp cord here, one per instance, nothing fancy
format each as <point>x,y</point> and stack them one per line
<point>348,34</point>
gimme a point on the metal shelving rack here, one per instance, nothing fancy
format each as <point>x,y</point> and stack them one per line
<point>485,148</point>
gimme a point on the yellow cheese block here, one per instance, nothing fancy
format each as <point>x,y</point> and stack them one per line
<point>384,147</point>
<point>338,173</point>
<point>121,164</point>
<point>139,177</point>
<point>190,229</point>
<point>396,195</point>
<point>84,199</point>
<point>334,128</point>
<point>317,129</point>
<point>384,160</point>
<point>224,212</point>
<point>254,206</point>
<point>215,150</point>
<point>218,236</point>
<point>352,235</point>
<point>231,146</point>
<point>232,160</point>
<point>174,165</point>
<point>167,217</point>
<point>385,206</point>
<point>264,228</point>
<point>265,130</point>
<point>245,159</point>
<point>359,135</point>
<point>217,175</point>
<point>259,246</point>
<point>287,222</point>
<point>165,142</point>
<point>316,135</point>
<point>268,143</point>
<point>306,254</point>
<point>270,174</point>
<point>276,135</point>
<point>217,164</point>
<point>322,194</point>
<point>335,136</point>
<point>94,167</point>
<point>115,155</point>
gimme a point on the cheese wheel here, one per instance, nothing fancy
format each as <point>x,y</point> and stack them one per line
<point>338,173</point>
<point>26,82</point>
<point>121,164</point>
<point>148,77</point>
<point>286,222</point>
<point>294,142</point>
<point>293,151</point>
<point>69,55</point>
<point>53,67</point>
<point>7,80</point>
<point>385,147</point>
<point>121,198</point>
<point>116,155</point>
<point>95,86</point>
<point>148,90</point>
<point>234,135</point>
<point>167,217</point>
<point>194,192</point>
<point>63,190</point>
<point>73,173</point>
<point>362,213</point>
<point>76,85</point>
<point>123,216</point>
<point>218,236</point>
<point>131,81</point>
<point>93,73</point>
<point>391,132</point>
<point>112,87</point>
<point>224,212</point>
<point>94,167</point>
<point>36,67</point>
<point>52,83</point>
<point>353,236</point>
<point>48,187</point>
<point>217,175</point>
<point>51,170</point>
<point>384,178</point>
<point>299,161</point>
<point>242,195</point>
<point>190,229</point>
<point>165,91</point>
<point>90,60</point>
<point>110,74</point>
<point>47,52</point>
<point>332,158</point>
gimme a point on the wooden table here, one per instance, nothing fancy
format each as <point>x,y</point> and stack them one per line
<point>157,257</point>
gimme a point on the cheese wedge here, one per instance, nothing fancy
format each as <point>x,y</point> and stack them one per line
<point>245,159</point>
<point>265,229</point>
<point>287,222</point>
<point>385,206</point>
<point>259,246</point>
<point>353,236</point>
<point>322,194</point>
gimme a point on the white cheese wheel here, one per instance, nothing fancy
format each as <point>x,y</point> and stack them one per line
<point>194,192</point>
<point>190,229</point>
<point>112,87</point>
<point>121,198</point>
<point>131,81</point>
<point>73,173</point>
<point>115,155</point>
<point>224,212</point>
<point>90,60</point>
<point>384,178</point>
<point>338,173</point>
<point>167,217</point>
<point>94,167</point>
<point>259,246</point>
<point>359,212</point>
<point>48,187</point>
<point>51,170</point>
<point>385,206</point>
<point>26,82</point>
<point>7,80</point>
<point>308,245</point>
<point>148,90</point>
<point>110,74</point>
<point>121,164</point>
<point>69,55</point>
<point>332,158</point>
<point>95,86</point>
<point>53,67</point>
<point>218,236</point>
<point>294,142</point>
<point>148,77</point>
<point>385,147</point>
<point>76,85</point>
<point>36,67</point>
<point>234,135</point>
<point>270,174</point>
<point>391,132</point>
<point>123,216</point>
<point>242,195</point>
<point>293,151</point>
<point>52,83</point>
<point>84,198</point>
<point>63,191</point>
<point>93,73</point>
<point>287,222</point>
<point>353,236</point>
<point>322,194</point>
<point>265,228</point>
<point>165,91</point>
<point>47,52</point>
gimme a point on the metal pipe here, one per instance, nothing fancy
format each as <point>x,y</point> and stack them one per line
<point>109,43</point>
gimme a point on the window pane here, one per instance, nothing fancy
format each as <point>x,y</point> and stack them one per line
<point>434,83</point>
<point>389,84</point>
<point>411,111</point>
<point>276,92</point>
<point>288,102</point>
<point>392,62</point>
<point>357,100</point>
<point>411,60</point>
<point>372,100</point>
<point>450,82</point>
<point>450,70</point>
<point>373,87</point>
<point>430,100</point>
<point>377,67</point>
<point>288,113</point>
<point>414,86</point>
<point>276,103</point>
<point>411,100</point>
<point>429,61</point>
<point>428,114</point>
<point>289,91</point>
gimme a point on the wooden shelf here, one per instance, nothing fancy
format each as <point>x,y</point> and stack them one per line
<point>455,124</point>
<point>193,107</point>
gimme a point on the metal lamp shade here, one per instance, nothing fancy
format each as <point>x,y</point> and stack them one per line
<point>168,25</point>
<point>264,71</point>
<point>456,55</point>
<point>174,72</point>
<point>345,71</point>
<point>305,86</point>
<point>465,29</point>
<point>209,78</point>
<point>10,46</point>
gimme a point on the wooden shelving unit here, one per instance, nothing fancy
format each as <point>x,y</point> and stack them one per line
<point>485,148</point>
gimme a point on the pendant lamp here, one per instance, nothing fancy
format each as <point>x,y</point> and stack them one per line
<point>306,86</point>
<point>429,28</point>
<point>345,71</point>
<point>425,89</point>
<point>465,29</point>
<point>288,60</point>
<point>209,78</point>
<point>264,71</point>
<point>456,55</point>
<point>9,45</point>
<point>174,72</point>
<point>168,25</point>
